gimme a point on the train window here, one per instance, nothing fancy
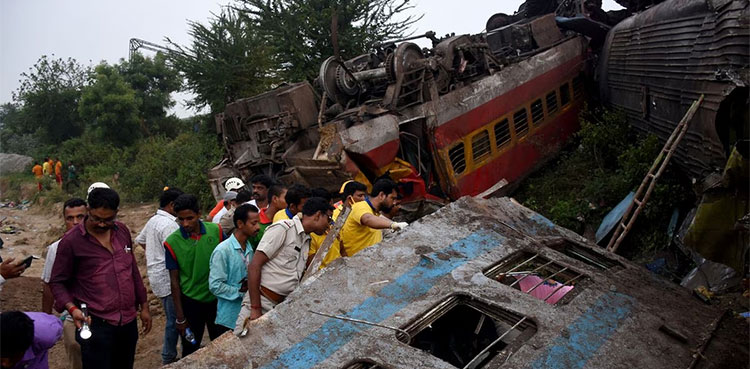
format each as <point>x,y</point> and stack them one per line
<point>468,333</point>
<point>551,102</point>
<point>521,122</point>
<point>480,145</point>
<point>564,94</point>
<point>537,111</point>
<point>543,278</point>
<point>502,133</point>
<point>582,254</point>
<point>458,160</point>
<point>578,87</point>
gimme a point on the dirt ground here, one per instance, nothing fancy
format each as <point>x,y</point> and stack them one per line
<point>38,227</point>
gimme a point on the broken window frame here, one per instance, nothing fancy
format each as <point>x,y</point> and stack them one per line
<point>496,313</point>
<point>457,158</point>
<point>502,127</point>
<point>586,255</point>
<point>551,102</point>
<point>521,122</point>
<point>480,143</point>
<point>537,112</point>
<point>509,265</point>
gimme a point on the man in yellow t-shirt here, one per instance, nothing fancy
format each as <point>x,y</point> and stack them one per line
<point>363,226</point>
<point>352,192</point>
<point>295,200</point>
<point>46,167</point>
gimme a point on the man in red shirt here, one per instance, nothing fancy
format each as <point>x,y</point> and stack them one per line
<point>95,265</point>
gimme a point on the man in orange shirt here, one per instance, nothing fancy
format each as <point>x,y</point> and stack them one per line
<point>38,173</point>
<point>58,172</point>
<point>51,167</point>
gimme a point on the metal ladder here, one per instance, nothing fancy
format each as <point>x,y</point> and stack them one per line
<point>648,183</point>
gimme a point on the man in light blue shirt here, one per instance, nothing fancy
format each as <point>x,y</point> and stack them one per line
<point>227,278</point>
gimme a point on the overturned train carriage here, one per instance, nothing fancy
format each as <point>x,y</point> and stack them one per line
<point>452,120</point>
<point>657,62</point>
<point>477,284</point>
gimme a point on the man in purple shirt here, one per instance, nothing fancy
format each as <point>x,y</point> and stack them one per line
<point>26,338</point>
<point>95,266</point>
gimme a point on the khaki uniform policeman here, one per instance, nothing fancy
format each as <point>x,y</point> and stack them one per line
<point>281,258</point>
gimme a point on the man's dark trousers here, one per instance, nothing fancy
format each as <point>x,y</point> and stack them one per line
<point>199,315</point>
<point>110,346</point>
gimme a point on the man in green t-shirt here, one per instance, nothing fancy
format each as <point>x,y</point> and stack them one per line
<point>187,257</point>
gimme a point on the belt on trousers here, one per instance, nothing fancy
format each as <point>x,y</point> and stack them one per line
<point>273,296</point>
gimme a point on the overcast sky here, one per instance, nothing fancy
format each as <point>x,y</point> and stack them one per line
<point>93,30</point>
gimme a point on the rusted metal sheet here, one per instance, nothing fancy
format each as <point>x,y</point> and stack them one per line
<point>657,62</point>
<point>462,268</point>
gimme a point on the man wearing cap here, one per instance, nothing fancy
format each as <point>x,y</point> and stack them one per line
<point>280,259</point>
<point>229,203</point>
<point>232,184</point>
<point>227,220</point>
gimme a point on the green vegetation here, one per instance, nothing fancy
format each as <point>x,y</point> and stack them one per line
<point>608,161</point>
<point>111,120</point>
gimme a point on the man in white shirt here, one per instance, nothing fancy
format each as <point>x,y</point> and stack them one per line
<point>229,202</point>
<point>152,237</point>
<point>74,211</point>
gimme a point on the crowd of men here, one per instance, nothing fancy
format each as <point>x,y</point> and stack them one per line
<point>214,273</point>
<point>53,168</point>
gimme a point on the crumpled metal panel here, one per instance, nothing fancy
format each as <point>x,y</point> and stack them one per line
<point>614,320</point>
<point>656,63</point>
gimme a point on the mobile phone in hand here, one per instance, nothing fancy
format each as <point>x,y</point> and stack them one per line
<point>28,260</point>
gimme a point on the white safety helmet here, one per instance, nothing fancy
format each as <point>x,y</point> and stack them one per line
<point>93,186</point>
<point>233,184</point>
<point>96,185</point>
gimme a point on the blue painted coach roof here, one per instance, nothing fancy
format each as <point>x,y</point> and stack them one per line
<point>393,297</point>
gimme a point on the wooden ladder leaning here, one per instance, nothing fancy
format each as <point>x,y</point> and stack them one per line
<point>649,181</point>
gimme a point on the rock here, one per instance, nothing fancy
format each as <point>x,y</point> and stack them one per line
<point>14,163</point>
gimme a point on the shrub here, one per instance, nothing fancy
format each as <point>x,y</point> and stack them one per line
<point>609,160</point>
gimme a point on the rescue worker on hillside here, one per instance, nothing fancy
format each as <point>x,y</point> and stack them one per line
<point>280,260</point>
<point>363,226</point>
<point>38,175</point>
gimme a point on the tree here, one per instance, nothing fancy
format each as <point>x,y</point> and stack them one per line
<point>12,122</point>
<point>300,30</point>
<point>227,60</point>
<point>110,107</point>
<point>48,98</point>
<point>153,81</point>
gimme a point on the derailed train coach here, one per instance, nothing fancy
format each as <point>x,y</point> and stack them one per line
<point>657,62</point>
<point>464,117</point>
<point>479,284</point>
